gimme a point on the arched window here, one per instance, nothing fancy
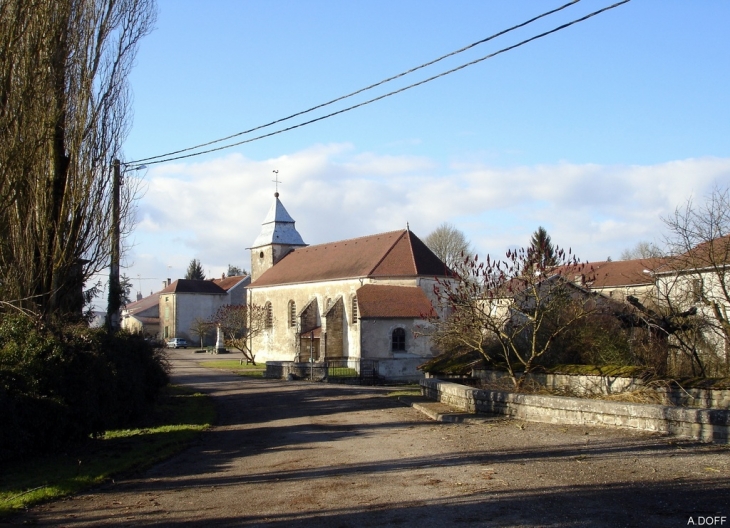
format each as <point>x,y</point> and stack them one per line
<point>269,322</point>
<point>354,309</point>
<point>292,314</point>
<point>398,340</point>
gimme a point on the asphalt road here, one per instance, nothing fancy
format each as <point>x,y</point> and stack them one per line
<point>308,454</point>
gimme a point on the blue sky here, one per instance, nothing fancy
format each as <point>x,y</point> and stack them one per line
<point>595,132</point>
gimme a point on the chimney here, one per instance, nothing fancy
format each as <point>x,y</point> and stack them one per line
<point>164,284</point>
<point>223,276</point>
<point>169,281</point>
<point>139,296</point>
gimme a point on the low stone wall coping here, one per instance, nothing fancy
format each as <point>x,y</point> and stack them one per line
<point>591,385</point>
<point>700,424</point>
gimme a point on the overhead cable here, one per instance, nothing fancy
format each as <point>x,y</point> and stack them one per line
<point>361,90</point>
<point>369,101</point>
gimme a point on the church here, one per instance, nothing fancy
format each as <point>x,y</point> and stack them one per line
<point>363,298</point>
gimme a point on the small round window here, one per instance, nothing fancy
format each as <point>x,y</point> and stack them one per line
<point>261,255</point>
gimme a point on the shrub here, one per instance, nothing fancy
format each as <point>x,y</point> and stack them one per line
<point>63,383</point>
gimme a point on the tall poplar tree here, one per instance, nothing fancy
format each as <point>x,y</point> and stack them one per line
<point>64,113</point>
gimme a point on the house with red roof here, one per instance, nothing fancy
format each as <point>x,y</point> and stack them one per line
<point>623,278</point>
<point>143,316</point>
<point>185,300</point>
<point>172,311</point>
<point>699,279</point>
<point>362,298</point>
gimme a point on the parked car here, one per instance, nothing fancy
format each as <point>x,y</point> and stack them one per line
<point>177,343</point>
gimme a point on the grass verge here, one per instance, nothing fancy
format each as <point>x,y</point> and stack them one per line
<point>178,417</point>
<point>234,365</point>
<point>407,390</point>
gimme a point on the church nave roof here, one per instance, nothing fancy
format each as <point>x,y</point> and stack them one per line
<point>392,254</point>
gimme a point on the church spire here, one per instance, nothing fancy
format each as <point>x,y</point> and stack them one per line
<point>278,237</point>
<point>276,182</point>
<point>278,227</point>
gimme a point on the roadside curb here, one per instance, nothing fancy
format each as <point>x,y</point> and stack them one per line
<point>440,412</point>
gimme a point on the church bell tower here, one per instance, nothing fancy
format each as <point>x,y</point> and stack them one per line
<point>277,238</point>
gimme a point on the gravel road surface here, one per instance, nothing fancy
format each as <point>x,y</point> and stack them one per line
<point>307,454</point>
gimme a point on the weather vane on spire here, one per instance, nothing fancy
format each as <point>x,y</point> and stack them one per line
<point>277,182</point>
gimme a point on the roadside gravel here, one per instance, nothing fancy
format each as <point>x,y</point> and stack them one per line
<point>308,454</point>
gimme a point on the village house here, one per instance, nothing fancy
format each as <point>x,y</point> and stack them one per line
<point>699,280</point>
<point>143,316</point>
<point>363,298</point>
<point>624,278</point>
<point>172,311</point>
<point>184,301</point>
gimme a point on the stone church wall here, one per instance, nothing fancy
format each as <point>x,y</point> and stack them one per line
<point>280,342</point>
<point>264,257</point>
<point>377,339</point>
<point>344,339</point>
<point>334,326</point>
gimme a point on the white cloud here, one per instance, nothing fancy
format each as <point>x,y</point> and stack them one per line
<point>213,210</point>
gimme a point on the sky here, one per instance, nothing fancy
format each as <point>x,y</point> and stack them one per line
<point>595,132</point>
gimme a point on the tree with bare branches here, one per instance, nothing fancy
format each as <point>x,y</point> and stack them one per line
<point>642,250</point>
<point>517,306</point>
<point>201,328</point>
<point>698,276</point>
<point>449,244</point>
<point>64,113</point>
<point>240,324</point>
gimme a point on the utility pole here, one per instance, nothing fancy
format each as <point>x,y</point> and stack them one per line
<point>115,302</point>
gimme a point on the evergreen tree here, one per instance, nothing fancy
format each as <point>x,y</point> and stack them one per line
<point>195,270</point>
<point>541,252</point>
<point>235,271</point>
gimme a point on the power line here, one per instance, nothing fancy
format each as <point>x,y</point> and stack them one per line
<point>317,107</point>
<point>394,92</point>
<point>403,74</point>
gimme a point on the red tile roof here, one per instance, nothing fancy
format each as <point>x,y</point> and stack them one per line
<point>147,320</point>
<point>374,300</point>
<point>710,254</point>
<point>229,282</point>
<point>143,304</point>
<point>393,254</point>
<point>622,272</point>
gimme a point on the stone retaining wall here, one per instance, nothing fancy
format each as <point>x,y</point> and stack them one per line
<point>398,370</point>
<point>285,369</point>
<point>708,425</point>
<point>594,385</point>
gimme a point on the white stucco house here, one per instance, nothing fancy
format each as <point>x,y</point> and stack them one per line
<point>171,311</point>
<point>143,316</point>
<point>183,301</point>
<point>699,279</point>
